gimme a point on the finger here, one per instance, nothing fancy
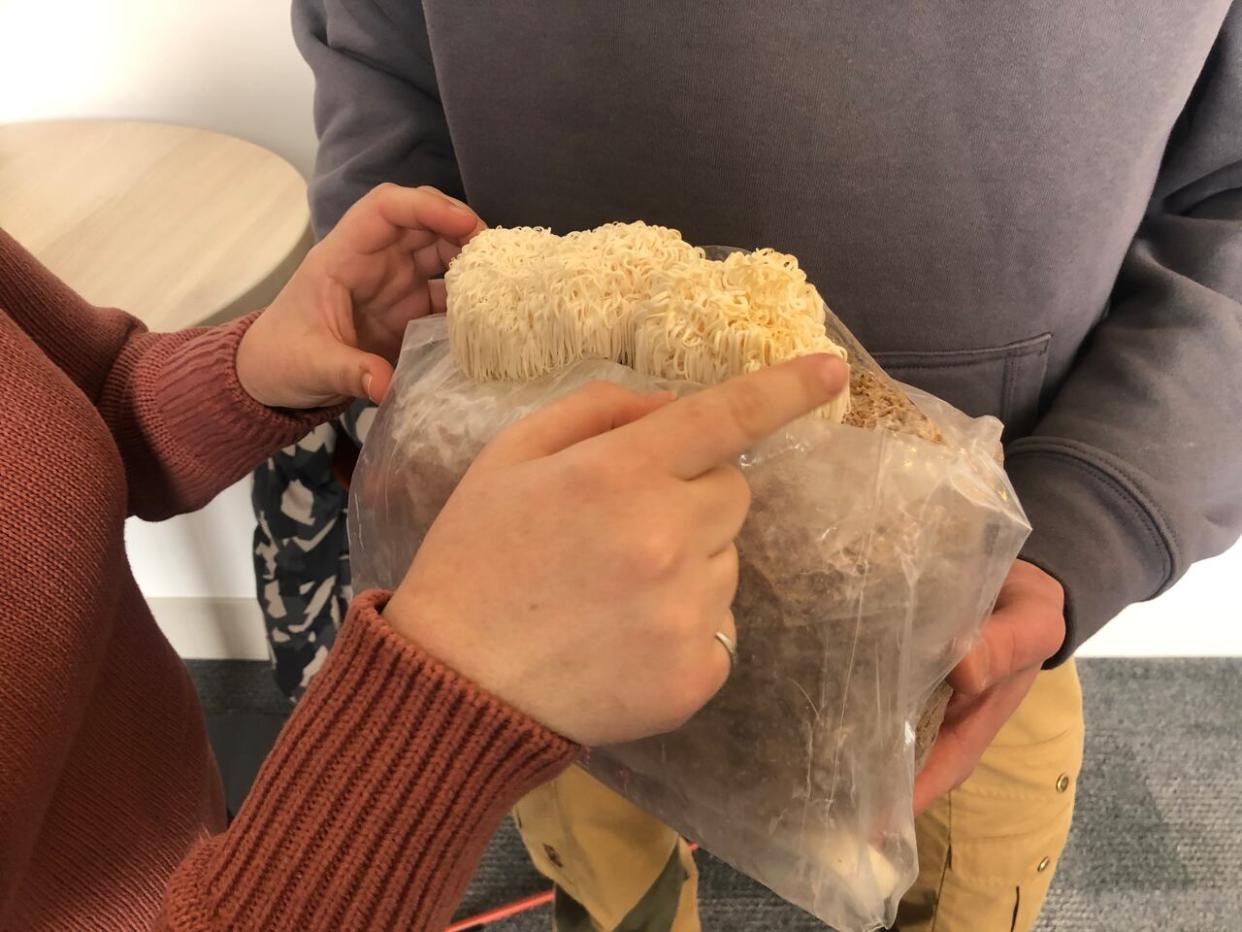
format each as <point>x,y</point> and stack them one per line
<point>1022,634</point>
<point>385,330</point>
<point>343,371</point>
<point>401,279</point>
<point>587,413</point>
<point>961,743</point>
<point>1026,581</point>
<point>718,424</point>
<point>722,570</point>
<point>417,216</point>
<point>720,499</point>
<point>437,295</point>
<point>426,208</point>
<point>381,327</point>
<point>703,667</point>
<point>377,381</point>
<point>719,663</point>
<point>943,773</point>
<point>414,240</point>
<point>433,259</point>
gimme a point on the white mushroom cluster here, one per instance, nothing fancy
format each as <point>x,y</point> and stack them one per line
<point>524,301</point>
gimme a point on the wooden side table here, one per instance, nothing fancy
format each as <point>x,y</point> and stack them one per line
<point>178,226</point>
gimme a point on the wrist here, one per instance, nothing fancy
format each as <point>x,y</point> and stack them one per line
<point>396,615</point>
<point>249,363</point>
<point>400,614</point>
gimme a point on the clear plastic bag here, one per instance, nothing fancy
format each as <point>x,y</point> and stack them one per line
<point>869,560</point>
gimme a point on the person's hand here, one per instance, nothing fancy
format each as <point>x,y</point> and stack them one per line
<point>1026,627</point>
<point>583,566</point>
<point>334,331</point>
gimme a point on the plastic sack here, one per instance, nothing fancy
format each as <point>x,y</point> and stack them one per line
<point>868,562</point>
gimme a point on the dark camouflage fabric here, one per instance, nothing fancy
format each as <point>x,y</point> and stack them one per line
<point>301,549</point>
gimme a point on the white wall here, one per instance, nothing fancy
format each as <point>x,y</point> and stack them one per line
<point>231,65</point>
<point>228,65</point>
<point>196,572</point>
<point>1201,616</point>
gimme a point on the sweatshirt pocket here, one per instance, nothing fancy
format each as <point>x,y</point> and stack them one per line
<point>1003,381</point>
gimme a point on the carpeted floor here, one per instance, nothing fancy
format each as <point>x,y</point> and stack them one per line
<point>1156,845</point>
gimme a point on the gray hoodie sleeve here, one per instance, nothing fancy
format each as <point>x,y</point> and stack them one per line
<point>377,107</point>
<point>1135,472</point>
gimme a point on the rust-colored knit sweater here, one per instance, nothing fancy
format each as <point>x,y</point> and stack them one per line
<point>380,793</point>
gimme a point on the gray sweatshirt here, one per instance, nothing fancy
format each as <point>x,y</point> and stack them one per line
<point>1033,210</point>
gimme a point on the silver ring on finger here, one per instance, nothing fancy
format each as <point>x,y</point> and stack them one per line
<point>730,648</point>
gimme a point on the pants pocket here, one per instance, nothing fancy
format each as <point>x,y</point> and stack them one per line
<point>1008,825</point>
<point>989,850</point>
<point>601,849</point>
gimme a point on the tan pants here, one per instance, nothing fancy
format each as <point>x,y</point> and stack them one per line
<point>987,852</point>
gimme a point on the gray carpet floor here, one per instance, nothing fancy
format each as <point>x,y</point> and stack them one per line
<point>1156,844</point>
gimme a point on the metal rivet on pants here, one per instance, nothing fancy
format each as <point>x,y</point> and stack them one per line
<point>556,858</point>
<point>1043,865</point>
<point>1063,783</point>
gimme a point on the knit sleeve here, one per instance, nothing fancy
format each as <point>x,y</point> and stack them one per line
<point>376,802</point>
<point>184,426</point>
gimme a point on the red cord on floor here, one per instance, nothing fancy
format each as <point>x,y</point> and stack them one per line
<point>482,920</point>
<point>502,912</point>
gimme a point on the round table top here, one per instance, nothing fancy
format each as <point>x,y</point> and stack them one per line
<point>178,226</point>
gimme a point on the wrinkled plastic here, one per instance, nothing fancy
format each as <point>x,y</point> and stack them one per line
<point>868,563</point>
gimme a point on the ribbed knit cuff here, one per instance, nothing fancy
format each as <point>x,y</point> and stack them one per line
<point>200,395</point>
<point>1091,530</point>
<point>377,801</point>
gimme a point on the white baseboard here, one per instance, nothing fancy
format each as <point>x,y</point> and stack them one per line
<point>1146,631</point>
<point>212,629</point>
<point>1198,617</point>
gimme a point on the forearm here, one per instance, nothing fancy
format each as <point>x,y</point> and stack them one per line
<point>376,802</point>
<point>184,425</point>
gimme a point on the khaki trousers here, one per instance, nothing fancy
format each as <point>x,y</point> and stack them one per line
<point>987,851</point>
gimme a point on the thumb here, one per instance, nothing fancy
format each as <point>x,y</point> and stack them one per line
<point>355,374</point>
<point>596,409</point>
<point>1023,632</point>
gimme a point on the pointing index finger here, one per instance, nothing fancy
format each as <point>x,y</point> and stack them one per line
<point>719,424</point>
